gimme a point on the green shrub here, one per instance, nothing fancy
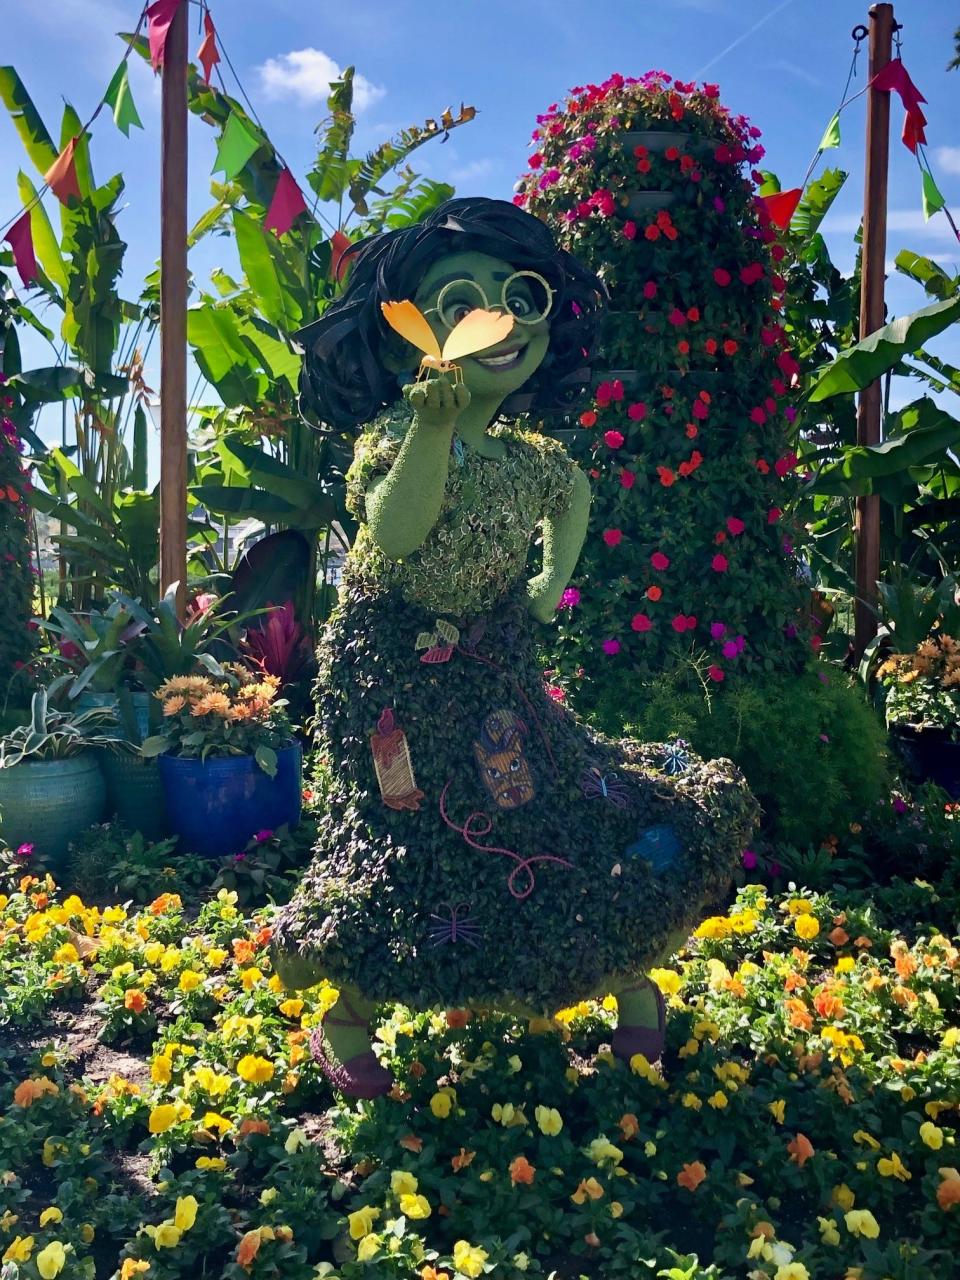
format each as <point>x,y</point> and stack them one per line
<point>16,577</point>
<point>812,749</point>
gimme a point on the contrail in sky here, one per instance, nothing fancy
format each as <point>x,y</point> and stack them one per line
<point>740,39</point>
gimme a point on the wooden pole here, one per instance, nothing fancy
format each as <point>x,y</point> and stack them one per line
<point>872,273</point>
<point>173,311</point>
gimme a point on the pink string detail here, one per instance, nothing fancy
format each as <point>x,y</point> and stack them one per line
<point>469,831</point>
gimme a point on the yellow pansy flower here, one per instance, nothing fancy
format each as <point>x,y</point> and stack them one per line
<point>415,1206</point>
<point>403,1183</point>
<point>806,926</point>
<point>469,1259</point>
<point>861,1222</point>
<point>368,1248</point>
<point>931,1136</point>
<point>441,1104</point>
<point>19,1250</point>
<point>549,1121</point>
<point>185,1213</point>
<point>51,1260</point>
<point>53,1214</point>
<point>254,1069</point>
<point>360,1222</point>
<point>190,980</point>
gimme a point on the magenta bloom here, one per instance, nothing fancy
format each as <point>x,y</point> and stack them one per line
<point>718,630</point>
<point>730,649</point>
<point>630,230</point>
<point>899,804</point>
<point>735,525</point>
<point>637,411</point>
<point>659,560</point>
<point>611,647</point>
<point>24,850</point>
<point>679,623</point>
<point>263,836</point>
<point>613,439</point>
<point>773,515</point>
<point>721,276</point>
<point>627,478</point>
<point>641,622</point>
<point>749,859</point>
<point>719,563</point>
<point>715,673</point>
<point>612,537</point>
<point>570,598</point>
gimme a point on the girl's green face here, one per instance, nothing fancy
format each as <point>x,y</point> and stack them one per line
<point>456,285</point>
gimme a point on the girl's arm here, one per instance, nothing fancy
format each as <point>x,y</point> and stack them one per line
<point>563,537</point>
<point>403,506</point>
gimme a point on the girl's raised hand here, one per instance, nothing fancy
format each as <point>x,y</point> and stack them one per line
<point>437,402</point>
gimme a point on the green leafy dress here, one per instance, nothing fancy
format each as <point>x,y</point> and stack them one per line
<point>479,845</point>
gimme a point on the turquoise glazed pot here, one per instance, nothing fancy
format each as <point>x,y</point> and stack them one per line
<point>48,803</point>
<point>216,806</point>
<point>135,793</point>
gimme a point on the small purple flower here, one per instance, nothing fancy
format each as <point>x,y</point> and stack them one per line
<point>899,804</point>
<point>824,737</point>
<point>549,178</point>
<point>718,204</point>
<point>790,631</point>
<point>730,649</point>
<point>263,836</point>
<point>24,851</point>
<point>749,859</point>
<point>774,869</point>
<point>718,630</point>
<point>240,857</point>
<point>823,677</point>
<point>570,598</point>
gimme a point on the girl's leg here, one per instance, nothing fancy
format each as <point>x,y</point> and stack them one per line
<point>342,1048</point>
<point>641,1022</point>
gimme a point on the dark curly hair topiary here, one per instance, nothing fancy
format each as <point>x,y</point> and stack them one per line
<point>345,383</point>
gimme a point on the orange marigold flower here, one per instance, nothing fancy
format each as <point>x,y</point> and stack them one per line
<point>522,1171</point>
<point>243,950</point>
<point>801,1149</point>
<point>691,1175</point>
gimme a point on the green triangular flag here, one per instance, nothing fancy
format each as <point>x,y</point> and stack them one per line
<point>119,97</point>
<point>831,135</point>
<point>933,201</point>
<point>237,145</point>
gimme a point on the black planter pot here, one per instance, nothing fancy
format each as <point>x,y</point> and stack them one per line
<point>929,756</point>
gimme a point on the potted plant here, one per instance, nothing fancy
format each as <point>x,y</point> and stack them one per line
<point>923,708</point>
<point>99,648</point>
<point>229,761</point>
<point>51,786</point>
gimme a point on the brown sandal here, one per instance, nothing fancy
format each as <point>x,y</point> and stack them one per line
<point>629,1041</point>
<point>361,1076</point>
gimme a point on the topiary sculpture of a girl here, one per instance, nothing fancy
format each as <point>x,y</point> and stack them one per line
<point>479,845</point>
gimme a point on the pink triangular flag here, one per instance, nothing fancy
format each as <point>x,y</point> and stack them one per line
<point>159,15</point>
<point>20,239</point>
<point>893,77</point>
<point>208,55</point>
<point>61,177</point>
<point>339,244</point>
<point>913,123</point>
<point>781,206</point>
<point>286,206</point>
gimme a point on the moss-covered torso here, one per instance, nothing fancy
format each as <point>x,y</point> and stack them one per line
<point>479,844</point>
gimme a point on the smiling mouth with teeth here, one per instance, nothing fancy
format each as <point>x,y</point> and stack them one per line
<point>506,360</point>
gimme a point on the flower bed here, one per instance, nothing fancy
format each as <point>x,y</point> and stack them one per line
<point>160,1114</point>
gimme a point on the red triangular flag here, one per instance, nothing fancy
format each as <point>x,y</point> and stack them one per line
<point>20,239</point>
<point>781,206</point>
<point>208,55</point>
<point>339,244</point>
<point>894,77</point>
<point>159,15</point>
<point>61,177</point>
<point>913,123</point>
<point>286,206</point>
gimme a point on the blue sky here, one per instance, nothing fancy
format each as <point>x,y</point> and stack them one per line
<point>781,62</point>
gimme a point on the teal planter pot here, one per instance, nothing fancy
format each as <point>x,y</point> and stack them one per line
<point>135,793</point>
<point>217,805</point>
<point>48,803</point>
<point>141,706</point>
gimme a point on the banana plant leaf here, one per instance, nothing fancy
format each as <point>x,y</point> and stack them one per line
<point>271,572</point>
<point>815,203</point>
<point>927,273</point>
<point>857,367</point>
<point>921,432</point>
<point>257,468</point>
<point>37,142</point>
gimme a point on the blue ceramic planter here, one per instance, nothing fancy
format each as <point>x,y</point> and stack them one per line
<point>216,806</point>
<point>48,803</point>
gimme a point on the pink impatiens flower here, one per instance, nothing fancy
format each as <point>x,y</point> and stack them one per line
<point>735,525</point>
<point>637,411</point>
<point>641,622</point>
<point>716,673</point>
<point>613,439</point>
<point>611,647</point>
<point>660,561</point>
<point>719,563</point>
<point>627,478</point>
<point>570,598</point>
<point>612,537</point>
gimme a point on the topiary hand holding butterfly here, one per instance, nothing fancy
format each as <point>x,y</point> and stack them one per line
<point>439,402</point>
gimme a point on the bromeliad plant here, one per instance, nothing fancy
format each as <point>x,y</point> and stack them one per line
<point>52,734</point>
<point>230,711</point>
<point>923,687</point>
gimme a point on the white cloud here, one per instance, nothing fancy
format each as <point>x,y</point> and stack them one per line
<point>948,158</point>
<point>473,170</point>
<point>306,74</point>
<point>897,220</point>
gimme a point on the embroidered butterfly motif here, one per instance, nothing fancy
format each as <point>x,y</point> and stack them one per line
<point>438,643</point>
<point>457,926</point>
<point>607,786</point>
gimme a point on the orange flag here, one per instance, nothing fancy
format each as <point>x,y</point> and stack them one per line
<point>61,177</point>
